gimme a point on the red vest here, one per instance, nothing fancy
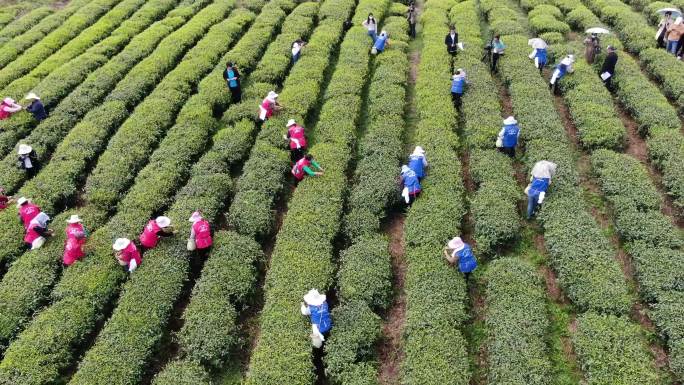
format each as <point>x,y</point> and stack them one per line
<point>72,251</point>
<point>149,237</point>
<point>202,234</point>
<point>131,252</point>
<point>298,168</point>
<point>297,137</point>
<point>31,234</point>
<point>27,212</point>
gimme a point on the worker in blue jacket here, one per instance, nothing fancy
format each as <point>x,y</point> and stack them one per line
<point>564,67</point>
<point>540,58</point>
<point>508,136</point>
<point>410,185</point>
<point>458,84</point>
<point>417,162</point>
<point>380,42</point>
<point>458,251</point>
<point>316,307</point>
<point>536,191</point>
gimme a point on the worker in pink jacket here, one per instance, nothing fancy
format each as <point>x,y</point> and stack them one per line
<point>8,107</point>
<point>27,211</point>
<point>37,231</point>
<point>268,106</point>
<point>75,239</point>
<point>200,233</point>
<point>297,138</point>
<point>154,229</point>
<point>127,254</point>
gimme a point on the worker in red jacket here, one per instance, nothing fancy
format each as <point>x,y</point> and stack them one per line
<point>296,136</point>
<point>154,229</point>
<point>127,254</point>
<point>75,239</point>
<point>200,232</point>
<point>27,211</point>
<point>304,167</point>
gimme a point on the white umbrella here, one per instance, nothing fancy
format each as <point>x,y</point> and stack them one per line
<point>675,12</point>
<point>597,30</point>
<point>537,43</point>
<point>544,169</point>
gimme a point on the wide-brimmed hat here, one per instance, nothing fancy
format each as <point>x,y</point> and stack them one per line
<point>24,149</point>
<point>121,243</point>
<point>8,100</point>
<point>314,298</point>
<point>163,221</point>
<point>196,216</point>
<point>456,243</point>
<point>405,169</point>
<point>21,201</point>
<point>510,120</point>
<point>32,96</point>
<point>290,123</point>
<point>418,151</point>
<point>271,95</point>
<point>74,219</point>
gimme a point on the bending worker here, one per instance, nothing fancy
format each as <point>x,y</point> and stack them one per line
<point>508,137</point>
<point>458,84</point>
<point>127,254</point>
<point>303,167</point>
<point>27,211</point>
<point>297,138</point>
<point>75,239</point>
<point>458,251</point>
<point>539,184</point>
<point>316,307</point>
<point>37,231</point>
<point>564,67</point>
<point>410,185</point>
<point>417,162</point>
<point>154,229</point>
<point>200,233</point>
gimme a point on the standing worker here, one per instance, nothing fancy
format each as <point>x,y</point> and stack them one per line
<point>268,106</point>
<point>8,107</point>
<point>661,34</point>
<point>592,47</point>
<point>674,33</point>
<point>75,239</point>
<point>608,67</point>
<point>127,254</point>
<point>508,136</point>
<point>451,41</point>
<point>417,162</point>
<point>297,138</point>
<point>458,84</point>
<point>411,187</point>
<point>539,184</point>
<point>154,229</point>
<point>303,167</point>
<point>316,307</point>
<point>36,107</point>
<point>297,46</point>
<point>498,48</point>
<point>232,78</point>
<point>200,233</point>
<point>458,251</point>
<point>27,211</point>
<point>372,26</point>
<point>411,18</point>
<point>37,231</point>
<point>380,43</point>
<point>28,160</point>
<point>564,67</point>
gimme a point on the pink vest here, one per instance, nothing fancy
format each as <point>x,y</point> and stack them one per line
<point>298,168</point>
<point>74,230</point>
<point>297,137</point>
<point>268,106</point>
<point>131,252</point>
<point>4,114</point>
<point>31,234</point>
<point>27,212</point>
<point>202,234</point>
<point>72,251</point>
<point>149,237</point>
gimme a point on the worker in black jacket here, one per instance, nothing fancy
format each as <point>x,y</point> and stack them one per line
<point>451,40</point>
<point>608,67</point>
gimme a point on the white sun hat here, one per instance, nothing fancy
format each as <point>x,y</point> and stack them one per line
<point>405,169</point>
<point>544,169</point>
<point>290,123</point>
<point>314,298</point>
<point>121,243</point>
<point>163,221</point>
<point>32,96</point>
<point>196,216</point>
<point>510,120</point>
<point>74,219</point>
<point>8,100</point>
<point>21,201</point>
<point>418,151</point>
<point>271,95</point>
<point>24,149</point>
<point>456,243</point>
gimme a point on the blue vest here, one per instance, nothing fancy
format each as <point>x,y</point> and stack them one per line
<point>231,83</point>
<point>510,136</point>
<point>541,55</point>
<point>415,163</point>
<point>320,316</point>
<point>466,259</point>
<point>457,85</point>
<point>537,186</point>
<point>411,181</point>
<point>562,70</point>
<point>380,43</point>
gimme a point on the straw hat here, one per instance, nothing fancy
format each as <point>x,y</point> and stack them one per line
<point>163,221</point>
<point>121,243</point>
<point>24,149</point>
<point>74,219</point>
<point>21,201</point>
<point>456,243</point>
<point>510,120</point>
<point>314,298</point>
<point>32,96</point>
<point>290,122</point>
<point>196,216</point>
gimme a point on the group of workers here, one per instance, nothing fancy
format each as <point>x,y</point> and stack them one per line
<point>670,34</point>
<point>127,252</point>
<point>379,42</point>
<point>9,106</point>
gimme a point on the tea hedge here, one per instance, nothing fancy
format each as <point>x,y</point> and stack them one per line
<point>517,323</point>
<point>435,350</point>
<point>60,37</point>
<point>62,80</point>
<point>182,373</point>
<point>23,24</point>
<point>69,162</point>
<point>612,350</point>
<point>13,48</point>
<point>302,257</point>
